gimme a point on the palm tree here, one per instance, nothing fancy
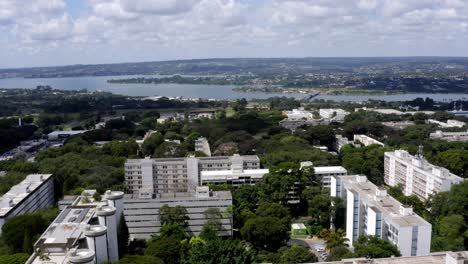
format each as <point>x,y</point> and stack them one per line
<point>334,239</point>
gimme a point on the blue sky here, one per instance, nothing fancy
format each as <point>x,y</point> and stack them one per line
<point>62,32</point>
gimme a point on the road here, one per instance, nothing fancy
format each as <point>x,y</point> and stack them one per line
<point>310,243</point>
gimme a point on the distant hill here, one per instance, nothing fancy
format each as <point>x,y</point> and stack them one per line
<point>256,66</point>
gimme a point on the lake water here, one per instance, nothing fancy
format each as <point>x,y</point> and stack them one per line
<point>190,90</point>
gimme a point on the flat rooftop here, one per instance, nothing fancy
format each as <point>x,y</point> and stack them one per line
<point>20,191</point>
<point>219,173</point>
<point>386,204</point>
<point>329,169</point>
<point>433,258</point>
<point>180,197</point>
<point>425,166</point>
<point>66,132</point>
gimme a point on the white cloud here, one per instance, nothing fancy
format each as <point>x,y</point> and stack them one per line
<point>165,29</point>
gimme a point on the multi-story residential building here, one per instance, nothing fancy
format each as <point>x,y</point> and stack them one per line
<point>336,115</point>
<point>366,140</point>
<point>460,257</point>
<point>450,136</point>
<point>36,191</point>
<point>84,232</point>
<point>416,175</point>
<point>202,145</point>
<point>143,218</point>
<point>371,211</point>
<point>168,175</point>
<point>236,176</point>
<point>324,173</point>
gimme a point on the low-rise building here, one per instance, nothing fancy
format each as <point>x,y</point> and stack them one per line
<point>371,211</point>
<point>197,114</point>
<point>389,111</point>
<point>36,191</point>
<point>450,136</point>
<point>84,232</point>
<point>449,124</point>
<point>63,135</point>
<point>416,175</point>
<point>460,257</point>
<point>333,114</point>
<point>366,140</point>
<point>398,124</point>
<point>300,117</point>
<point>358,141</point>
<point>202,145</point>
<point>143,215</point>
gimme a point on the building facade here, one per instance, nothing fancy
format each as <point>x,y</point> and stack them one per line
<point>336,115</point>
<point>148,177</point>
<point>325,173</point>
<point>366,140</point>
<point>416,175</point>
<point>460,257</point>
<point>84,232</point>
<point>143,215</point>
<point>202,145</point>
<point>36,191</point>
<point>450,136</point>
<point>371,211</point>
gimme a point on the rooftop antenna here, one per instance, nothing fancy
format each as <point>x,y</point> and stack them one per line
<point>420,154</point>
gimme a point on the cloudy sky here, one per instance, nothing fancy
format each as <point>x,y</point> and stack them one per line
<point>60,32</point>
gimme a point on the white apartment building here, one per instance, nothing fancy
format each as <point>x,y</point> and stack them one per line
<point>459,257</point>
<point>371,211</point>
<point>168,175</point>
<point>324,173</point>
<point>450,136</point>
<point>333,114</point>
<point>84,232</point>
<point>416,175</point>
<point>142,215</point>
<point>202,145</point>
<point>366,140</point>
<point>236,176</point>
<point>36,191</point>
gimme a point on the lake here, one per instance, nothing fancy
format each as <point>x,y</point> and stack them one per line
<point>190,90</point>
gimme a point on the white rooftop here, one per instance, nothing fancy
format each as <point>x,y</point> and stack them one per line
<point>20,191</point>
<point>433,258</point>
<point>379,199</point>
<point>66,132</point>
<point>217,174</point>
<point>298,226</point>
<point>329,169</point>
<point>423,165</point>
